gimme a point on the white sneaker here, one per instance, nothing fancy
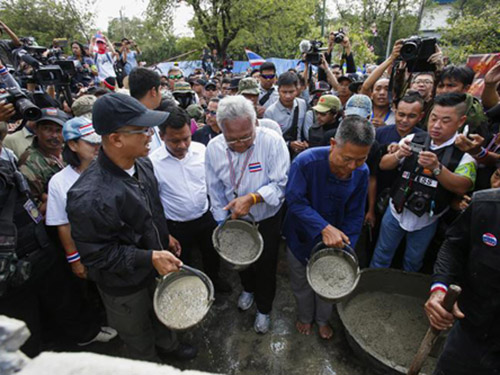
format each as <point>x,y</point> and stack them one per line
<point>245,301</point>
<point>262,322</point>
<point>106,334</point>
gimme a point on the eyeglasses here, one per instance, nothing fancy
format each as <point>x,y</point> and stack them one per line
<point>268,76</point>
<point>241,140</point>
<point>211,88</point>
<point>424,81</point>
<point>164,84</point>
<point>147,131</point>
<point>211,113</point>
<point>179,76</point>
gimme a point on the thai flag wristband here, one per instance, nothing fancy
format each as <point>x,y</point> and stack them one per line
<point>439,286</point>
<point>73,257</point>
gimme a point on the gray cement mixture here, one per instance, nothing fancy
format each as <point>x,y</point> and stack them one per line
<point>391,325</point>
<point>332,276</point>
<point>183,303</point>
<point>237,245</point>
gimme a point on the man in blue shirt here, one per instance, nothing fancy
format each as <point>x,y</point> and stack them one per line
<point>326,194</point>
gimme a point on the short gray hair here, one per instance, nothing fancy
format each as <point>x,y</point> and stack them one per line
<point>234,107</point>
<point>356,130</point>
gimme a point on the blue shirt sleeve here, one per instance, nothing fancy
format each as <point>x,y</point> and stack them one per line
<point>298,204</point>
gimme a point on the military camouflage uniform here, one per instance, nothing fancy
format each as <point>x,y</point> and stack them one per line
<point>38,169</point>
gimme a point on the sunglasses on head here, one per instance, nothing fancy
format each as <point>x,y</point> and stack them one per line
<point>179,76</point>
<point>268,76</point>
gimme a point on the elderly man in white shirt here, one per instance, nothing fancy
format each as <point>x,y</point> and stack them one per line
<point>179,168</point>
<point>246,171</point>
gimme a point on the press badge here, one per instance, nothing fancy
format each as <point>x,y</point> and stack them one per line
<point>33,211</point>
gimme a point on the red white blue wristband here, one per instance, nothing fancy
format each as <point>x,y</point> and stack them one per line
<point>439,286</point>
<point>73,257</point>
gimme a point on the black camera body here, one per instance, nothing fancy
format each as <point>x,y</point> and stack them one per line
<point>25,109</point>
<point>312,49</point>
<point>338,36</point>
<point>419,202</point>
<point>416,51</point>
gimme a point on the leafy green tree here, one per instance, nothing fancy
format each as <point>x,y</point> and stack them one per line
<point>474,33</point>
<point>47,19</point>
<point>270,27</point>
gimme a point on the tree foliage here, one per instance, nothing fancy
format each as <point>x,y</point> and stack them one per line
<point>271,28</point>
<point>47,19</point>
<point>478,31</point>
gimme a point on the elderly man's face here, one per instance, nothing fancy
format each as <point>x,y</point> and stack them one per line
<point>345,158</point>
<point>239,134</point>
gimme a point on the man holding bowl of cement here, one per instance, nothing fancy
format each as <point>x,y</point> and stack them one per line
<point>325,194</point>
<point>246,172</point>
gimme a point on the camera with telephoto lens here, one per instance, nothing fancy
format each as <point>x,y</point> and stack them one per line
<point>312,49</point>
<point>338,36</point>
<point>418,202</point>
<point>25,109</point>
<point>416,51</point>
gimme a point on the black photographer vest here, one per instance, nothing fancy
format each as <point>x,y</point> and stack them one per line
<point>317,133</point>
<point>427,183</point>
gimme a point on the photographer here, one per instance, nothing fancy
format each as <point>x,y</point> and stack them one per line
<point>341,39</point>
<point>103,59</point>
<point>83,65</point>
<point>128,55</point>
<point>427,182</point>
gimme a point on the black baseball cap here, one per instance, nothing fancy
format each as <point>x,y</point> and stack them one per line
<point>53,115</point>
<point>113,111</point>
<point>210,84</point>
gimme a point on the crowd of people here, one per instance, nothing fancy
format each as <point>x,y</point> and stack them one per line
<point>124,180</point>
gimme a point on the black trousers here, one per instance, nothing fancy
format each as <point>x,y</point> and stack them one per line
<point>260,277</point>
<point>464,354</point>
<point>53,299</point>
<point>198,233</point>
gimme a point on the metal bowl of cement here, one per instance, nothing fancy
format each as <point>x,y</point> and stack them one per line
<point>238,242</point>
<point>332,273</point>
<point>182,299</point>
<point>384,320</point>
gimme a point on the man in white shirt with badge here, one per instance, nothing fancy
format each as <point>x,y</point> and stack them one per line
<point>246,172</point>
<point>179,167</point>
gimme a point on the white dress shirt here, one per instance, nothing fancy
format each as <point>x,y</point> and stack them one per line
<point>265,172</point>
<point>183,190</point>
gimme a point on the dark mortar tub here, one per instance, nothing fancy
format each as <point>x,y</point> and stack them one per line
<point>406,286</point>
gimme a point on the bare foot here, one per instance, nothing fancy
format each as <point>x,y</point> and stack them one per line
<point>304,328</point>
<point>325,331</point>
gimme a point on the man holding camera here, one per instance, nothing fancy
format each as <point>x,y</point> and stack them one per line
<point>128,55</point>
<point>432,171</point>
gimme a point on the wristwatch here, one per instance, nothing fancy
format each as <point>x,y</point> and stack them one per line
<point>437,171</point>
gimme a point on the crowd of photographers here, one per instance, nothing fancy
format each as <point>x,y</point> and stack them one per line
<point>434,145</point>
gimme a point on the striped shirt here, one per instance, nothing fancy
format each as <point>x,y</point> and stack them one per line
<point>264,165</point>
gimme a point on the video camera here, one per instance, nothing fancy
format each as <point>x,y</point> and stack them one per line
<point>416,51</point>
<point>312,49</point>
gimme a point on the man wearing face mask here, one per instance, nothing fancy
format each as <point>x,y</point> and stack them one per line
<point>43,158</point>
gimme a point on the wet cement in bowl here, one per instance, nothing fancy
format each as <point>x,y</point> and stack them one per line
<point>183,303</point>
<point>390,325</point>
<point>332,276</point>
<point>237,245</point>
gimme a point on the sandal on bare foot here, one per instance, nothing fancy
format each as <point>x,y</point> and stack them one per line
<point>303,328</point>
<point>325,331</point>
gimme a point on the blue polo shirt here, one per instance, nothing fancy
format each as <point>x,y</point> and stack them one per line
<point>388,134</point>
<point>316,198</point>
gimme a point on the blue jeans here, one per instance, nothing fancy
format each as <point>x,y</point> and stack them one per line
<point>390,237</point>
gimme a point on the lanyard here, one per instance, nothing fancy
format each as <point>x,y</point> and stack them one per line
<point>232,173</point>
<point>386,116</point>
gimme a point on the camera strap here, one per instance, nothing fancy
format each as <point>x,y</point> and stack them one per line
<point>266,97</point>
<point>291,134</point>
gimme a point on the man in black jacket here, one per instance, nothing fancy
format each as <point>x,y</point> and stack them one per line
<point>119,228</point>
<point>470,257</point>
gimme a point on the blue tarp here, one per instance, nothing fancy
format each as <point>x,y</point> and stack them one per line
<point>282,65</point>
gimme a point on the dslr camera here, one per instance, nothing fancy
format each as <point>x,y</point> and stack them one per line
<point>338,36</point>
<point>416,51</point>
<point>25,109</point>
<point>312,49</point>
<point>418,202</point>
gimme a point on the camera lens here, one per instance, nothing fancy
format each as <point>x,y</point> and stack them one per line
<point>409,50</point>
<point>28,110</point>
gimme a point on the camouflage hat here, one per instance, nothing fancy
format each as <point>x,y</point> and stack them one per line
<point>195,111</point>
<point>182,88</point>
<point>248,86</point>
<point>327,103</point>
<point>83,106</point>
